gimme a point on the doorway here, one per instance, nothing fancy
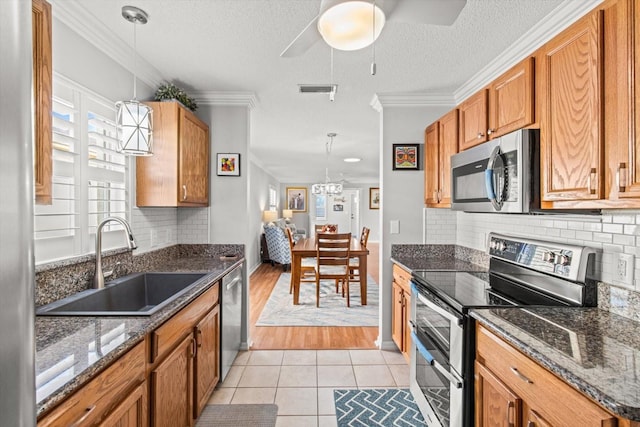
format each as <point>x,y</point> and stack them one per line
<point>344,210</point>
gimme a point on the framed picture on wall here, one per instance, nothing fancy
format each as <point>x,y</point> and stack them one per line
<point>228,164</point>
<point>374,198</point>
<point>297,199</point>
<point>406,157</point>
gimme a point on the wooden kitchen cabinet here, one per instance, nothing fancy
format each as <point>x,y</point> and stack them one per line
<point>116,397</point>
<point>505,106</point>
<point>441,142</point>
<point>570,113</point>
<point>207,362</point>
<point>185,361</point>
<point>42,100</point>
<point>177,174</point>
<point>512,389</point>
<point>171,387</point>
<point>401,310</point>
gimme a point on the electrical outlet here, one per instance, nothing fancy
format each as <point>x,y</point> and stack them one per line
<point>624,266</point>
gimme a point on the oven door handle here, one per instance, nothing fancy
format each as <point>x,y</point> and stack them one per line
<point>441,311</point>
<point>453,379</point>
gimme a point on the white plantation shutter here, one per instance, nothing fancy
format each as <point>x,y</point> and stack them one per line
<point>89,176</point>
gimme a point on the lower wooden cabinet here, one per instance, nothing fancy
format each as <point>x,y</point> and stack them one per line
<point>207,362</point>
<point>513,390</point>
<point>171,387</point>
<point>401,310</point>
<point>116,397</point>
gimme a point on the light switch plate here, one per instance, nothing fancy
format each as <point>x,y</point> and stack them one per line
<point>394,226</point>
<point>623,269</point>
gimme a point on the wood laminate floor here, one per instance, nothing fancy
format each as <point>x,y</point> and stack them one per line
<point>261,284</point>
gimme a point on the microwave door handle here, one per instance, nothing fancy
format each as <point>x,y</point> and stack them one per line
<point>489,181</point>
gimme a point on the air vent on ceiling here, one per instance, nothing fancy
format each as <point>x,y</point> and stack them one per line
<point>327,88</point>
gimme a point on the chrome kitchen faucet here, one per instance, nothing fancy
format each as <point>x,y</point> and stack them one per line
<point>98,278</point>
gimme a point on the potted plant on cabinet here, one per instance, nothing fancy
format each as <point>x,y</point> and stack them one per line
<point>170,92</point>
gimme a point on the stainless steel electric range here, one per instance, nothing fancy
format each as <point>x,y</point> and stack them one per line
<point>522,272</point>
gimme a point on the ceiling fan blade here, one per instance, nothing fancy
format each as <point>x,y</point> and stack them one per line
<point>436,12</point>
<point>303,41</point>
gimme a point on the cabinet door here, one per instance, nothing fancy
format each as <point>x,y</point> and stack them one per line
<point>132,411</point>
<point>207,363</point>
<point>570,128</point>
<point>172,386</point>
<point>193,160</point>
<point>511,100</point>
<point>42,93</point>
<point>473,120</point>
<point>397,332</point>
<point>496,405</point>
<point>406,345</point>
<point>431,166</point>
<point>448,147</point>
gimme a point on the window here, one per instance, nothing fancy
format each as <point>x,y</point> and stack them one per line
<point>321,206</point>
<point>89,176</point>
<point>273,199</point>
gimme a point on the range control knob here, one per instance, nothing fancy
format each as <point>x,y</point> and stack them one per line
<point>561,259</point>
<point>501,245</point>
<point>548,257</point>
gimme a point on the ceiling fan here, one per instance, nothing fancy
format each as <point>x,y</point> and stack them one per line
<point>354,24</point>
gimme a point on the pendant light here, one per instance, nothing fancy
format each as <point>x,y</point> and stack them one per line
<point>134,119</point>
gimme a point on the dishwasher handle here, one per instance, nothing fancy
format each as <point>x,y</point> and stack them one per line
<point>232,279</point>
<point>234,282</point>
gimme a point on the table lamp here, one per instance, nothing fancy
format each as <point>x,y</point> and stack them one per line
<point>287,214</point>
<point>269,216</point>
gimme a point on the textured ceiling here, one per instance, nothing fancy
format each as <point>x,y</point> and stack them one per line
<point>234,45</point>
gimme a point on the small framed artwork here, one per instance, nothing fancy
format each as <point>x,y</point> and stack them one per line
<point>374,198</point>
<point>228,164</point>
<point>297,199</point>
<point>338,207</point>
<point>406,157</point>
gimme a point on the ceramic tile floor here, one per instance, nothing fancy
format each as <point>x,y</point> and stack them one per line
<point>301,382</point>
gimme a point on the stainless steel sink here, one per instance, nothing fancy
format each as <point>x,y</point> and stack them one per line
<point>139,294</point>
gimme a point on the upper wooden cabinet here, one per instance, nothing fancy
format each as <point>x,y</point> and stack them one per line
<point>440,142</point>
<point>178,172</point>
<point>506,105</point>
<point>42,84</point>
<point>570,113</point>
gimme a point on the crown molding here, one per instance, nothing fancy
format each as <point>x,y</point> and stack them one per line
<point>75,16</point>
<point>243,99</point>
<point>560,18</point>
<point>381,100</point>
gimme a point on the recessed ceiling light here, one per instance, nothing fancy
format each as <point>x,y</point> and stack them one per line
<point>352,160</point>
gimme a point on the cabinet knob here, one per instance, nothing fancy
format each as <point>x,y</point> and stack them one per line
<point>490,131</point>
<point>480,135</point>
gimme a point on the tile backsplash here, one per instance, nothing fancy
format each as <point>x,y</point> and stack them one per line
<point>612,232</point>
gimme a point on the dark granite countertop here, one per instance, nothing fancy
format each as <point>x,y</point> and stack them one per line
<point>72,350</point>
<point>436,263</point>
<point>596,352</point>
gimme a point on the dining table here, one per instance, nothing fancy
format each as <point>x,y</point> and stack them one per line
<point>306,248</point>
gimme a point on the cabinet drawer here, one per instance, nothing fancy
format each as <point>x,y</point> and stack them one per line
<point>101,395</point>
<point>535,384</point>
<point>171,332</point>
<point>402,277</point>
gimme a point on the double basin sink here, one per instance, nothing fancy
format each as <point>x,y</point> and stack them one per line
<point>138,294</point>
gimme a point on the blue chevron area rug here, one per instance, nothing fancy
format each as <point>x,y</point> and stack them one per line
<point>377,407</point>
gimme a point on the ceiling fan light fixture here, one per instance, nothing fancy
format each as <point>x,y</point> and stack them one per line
<point>348,25</point>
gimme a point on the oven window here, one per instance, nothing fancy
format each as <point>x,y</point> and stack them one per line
<point>431,324</point>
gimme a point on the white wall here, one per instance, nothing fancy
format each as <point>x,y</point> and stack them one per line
<point>402,194</point>
<point>258,202</point>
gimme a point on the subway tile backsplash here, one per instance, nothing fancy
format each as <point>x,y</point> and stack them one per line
<point>611,231</point>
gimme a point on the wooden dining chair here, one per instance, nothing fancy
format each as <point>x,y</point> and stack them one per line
<point>332,260</point>
<point>307,272</point>
<point>354,263</point>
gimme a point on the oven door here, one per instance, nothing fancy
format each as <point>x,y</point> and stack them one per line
<point>435,383</point>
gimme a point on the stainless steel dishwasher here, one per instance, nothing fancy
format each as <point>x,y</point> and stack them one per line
<point>230,319</point>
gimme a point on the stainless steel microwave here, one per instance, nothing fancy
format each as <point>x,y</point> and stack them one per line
<point>501,175</point>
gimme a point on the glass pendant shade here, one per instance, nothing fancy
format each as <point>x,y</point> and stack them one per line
<point>327,188</point>
<point>135,128</point>
<point>349,25</point>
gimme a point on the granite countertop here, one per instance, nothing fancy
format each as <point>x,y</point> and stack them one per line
<point>444,262</point>
<point>71,350</point>
<point>595,351</point>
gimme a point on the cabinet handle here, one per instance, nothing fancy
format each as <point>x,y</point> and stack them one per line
<point>490,131</point>
<point>592,180</point>
<point>519,375</point>
<point>87,412</point>
<point>511,406</point>
<point>536,416</point>
<point>480,135</point>
<point>621,177</point>
<point>184,191</point>
<point>193,348</point>
<point>439,196</point>
<point>199,337</point>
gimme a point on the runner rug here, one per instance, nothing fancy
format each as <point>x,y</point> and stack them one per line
<point>280,311</point>
<point>377,407</point>
<point>259,415</point>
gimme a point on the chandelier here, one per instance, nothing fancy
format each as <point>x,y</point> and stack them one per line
<point>327,187</point>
